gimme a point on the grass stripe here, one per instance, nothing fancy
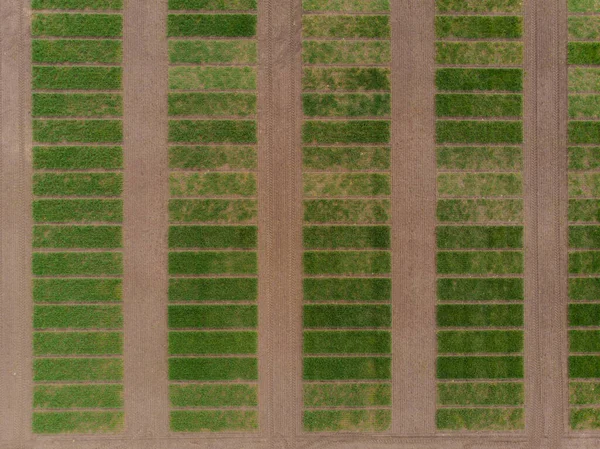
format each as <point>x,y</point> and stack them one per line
<point>347,395</point>
<point>77,184</point>
<point>347,368</point>
<point>206,262</point>
<point>347,420</point>
<point>76,51</point>
<point>341,316</point>
<point>77,237</point>
<point>77,290</point>
<point>214,421</point>
<point>213,369</point>
<point>214,25</point>
<point>77,343</point>
<point>79,369</point>
<point>182,343</point>
<point>213,395</point>
<point>212,317</point>
<point>52,264</point>
<point>78,317</point>
<point>77,131</point>
<point>78,422</point>
<point>471,131</point>
<point>77,25</point>
<point>347,289</point>
<point>77,158</point>
<point>480,393</point>
<point>480,419</point>
<point>77,211</point>
<point>471,315</point>
<point>77,396</point>
<point>230,289</point>
<point>480,289</point>
<point>480,367</point>
<point>77,78</point>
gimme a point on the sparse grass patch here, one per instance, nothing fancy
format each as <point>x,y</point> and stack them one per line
<point>480,158</point>
<point>480,289</point>
<point>480,262</point>
<point>346,184</point>
<point>346,211</point>
<point>584,106</point>
<point>479,184</point>
<point>77,211</point>
<point>213,211</point>
<point>584,237</point>
<point>584,158</point>
<point>213,5</point>
<point>77,78</point>
<point>583,393</point>
<point>341,26</point>
<point>227,289</point>
<point>84,105</point>
<point>347,342</point>
<point>479,53</point>
<point>478,315</point>
<point>212,184</point>
<point>212,104</point>
<point>496,393</point>
<point>347,262</point>
<point>584,210</point>
<point>463,237</point>
<point>77,25</point>
<point>78,422</point>
<point>77,184</point>
<point>76,51</point>
<point>347,368</point>
<point>582,289</point>
<point>340,316</point>
<point>483,6</point>
<point>354,131</point>
<point>345,78</point>
<point>347,420</point>
<point>212,317</point>
<point>77,237</point>
<point>346,5</point>
<point>348,395</point>
<point>480,210</point>
<point>347,289</point>
<point>214,420</point>
<point>213,157</point>
<point>209,78</point>
<point>585,418</point>
<point>346,52</point>
<point>77,131</point>
<point>584,27</point>
<point>213,395</point>
<point>584,262</point>
<point>346,105</point>
<point>77,4</point>
<point>207,368</point>
<point>488,419</point>
<point>353,158</point>
<point>77,396</point>
<point>214,25</point>
<point>213,51</point>
<point>584,79</point>
<point>77,290</point>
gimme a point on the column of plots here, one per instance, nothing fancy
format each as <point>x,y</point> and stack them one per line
<point>213,216</point>
<point>77,213</point>
<point>346,234</point>
<point>479,135</point>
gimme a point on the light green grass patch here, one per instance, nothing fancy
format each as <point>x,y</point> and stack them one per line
<point>487,419</point>
<point>496,393</point>
<point>584,341</point>
<point>347,368</point>
<point>474,131</point>
<point>77,158</point>
<point>77,25</point>
<point>78,317</point>
<point>77,78</point>
<point>335,289</point>
<point>77,131</point>
<point>584,79</point>
<point>213,211</point>
<point>76,290</point>
<point>213,131</point>
<point>584,314</point>
<point>347,395</point>
<point>331,237</point>
<point>212,104</point>
<point>213,158</point>
<point>77,237</point>
<point>584,185</point>
<point>584,393</point>
<point>212,78</point>
<point>77,211</point>
<point>212,184</point>
<point>212,5</point>
<point>583,53</point>
<point>464,237</point>
<point>480,211</point>
<point>341,26</point>
<point>585,419</point>
<point>470,342</point>
<point>483,6</point>
<point>584,5</point>
<point>584,262</point>
<point>213,395</point>
<point>480,315</point>
<point>214,421</point>
<point>76,51</point>
<point>480,289</point>
<point>584,28</point>
<point>354,131</point>
<point>188,343</point>
<point>347,211</point>
<point>345,78</point>
<point>213,262</point>
<point>341,52</point>
<point>583,132</point>
<point>78,422</point>
<point>77,369</point>
<point>480,158</point>
<point>474,367</point>
<point>77,184</point>
<point>479,184</point>
<point>226,289</point>
<point>212,317</point>
<point>341,316</point>
<point>584,106</point>
<point>82,105</point>
<point>479,53</point>
<point>583,289</point>
<point>584,210</point>
<point>584,367</point>
<point>346,159</point>
<point>347,420</point>
<point>478,27</point>
<point>77,4</point>
<point>346,184</point>
<point>478,105</point>
<point>480,262</point>
<point>584,158</point>
<point>77,343</point>
<point>77,396</point>
<point>213,25</point>
<point>450,79</point>
<point>207,368</point>
<point>346,5</point>
<point>213,51</point>
<point>347,342</point>
<point>213,236</point>
<point>347,262</point>
<point>346,105</point>
<point>68,264</point>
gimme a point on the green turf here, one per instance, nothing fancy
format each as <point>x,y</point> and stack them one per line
<point>83,105</point>
<point>479,53</point>
<point>584,289</point>
<point>77,184</point>
<point>212,184</point>
<point>347,368</point>
<point>213,131</point>
<point>66,264</point>
<point>584,53</point>
<point>77,317</point>
<point>212,5</point>
<point>76,78</point>
<point>214,211</point>
<point>583,6</point>
<point>77,396</point>
<point>347,342</point>
<point>584,210</point>
<point>214,421</point>
<point>479,184</point>
<point>76,51</point>
<point>472,367</point>
<point>213,157</point>
<point>346,26</point>
<point>477,315</point>
<point>77,131</point>
<point>480,289</point>
<point>77,158</point>
<point>584,79</point>
<point>207,368</point>
<point>347,262</point>
<point>353,131</point>
<point>78,422</point>
<point>346,105</point>
<point>347,237</point>
<point>213,51</point>
<point>486,419</point>
<point>212,317</point>
<point>345,78</point>
<point>584,237</point>
<point>346,184</point>
<point>77,369</point>
<point>584,262</point>
<point>341,316</point>
<point>77,237</point>
<point>213,395</point>
<point>347,211</point>
<point>452,79</point>
<point>76,290</point>
<point>584,393</point>
<point>346,52</point>
<point>585,418</point>
<point>479,262</point>
<point>347,289</point>
<point>470,342</point>
<point>347,420</point>
<point>77,25</point>
<point>480,393</point>
<point>212,104</point>
<point>347,395</point>
<point>482,6</point>
<point>473,131</point>
<point>480,210</point>
<point>584,158</point>
<point>77,4</point>
<point>584,106</point>
<point>582,367</point>
<point>352,158</point>
<point>584,341</point>
<point>479,237</point>
<point>478,105</point>
<point>584,314</point>
<point>79,211</point>
<point>213,262</point>
<point>213,25</point>
<point>583,132</point>
<point>77,343</point>
<point>185,343</point>
<point>478,27</point>
<point>584,28</point>
<point>212,78</point>
<point>480,158</point>
<point>230,289</point>
<point>213,236</point>
<point>346,5</point>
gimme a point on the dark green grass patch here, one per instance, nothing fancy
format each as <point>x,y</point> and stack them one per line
<point>77,184</point>
<point>77,158</point>
<point>469,342</point>
<point>584,28</point>
<point>584,262</point>
<point>346,105</point>
<point>488,419</point>
<point>346,211</point>
<point>76,51</point>
<point>478,27</point>
<point>217,78</point>
<point>78,422</point>
<point>479,53</point>
<point>77,343</point>
<point>347,262</point>
<point>355,131</point>
<point>77,396</point>
<point>479,211</point>
<point>213,51</point>
<point>584,106</point>
<point>584,79</point>
<point>347,342</point>
<point>584,210</point>
<point>347,368</point>
<point>77,4</point>
<point>480,158</point>
<point>584,53</point>
<point>77,369</point>
<point>213,25</point>
<point>584,132</point>
<point>77,290</point>
<point>584,341</point>
<point>346,5</point>
<point>584,289</point>
<point>182,343</point>
<point>346,184</point>
<point>347,395</point>
<point>83,105</point>
<point>341,26</point>
<point>584,237</point>
<point>77,131</point>
<point>467,315</point>
<point>347,237</point>
<point>77,237</point>
<point>480,184</point>
<point>78,211</point>
<point>227,289</point>
<point>214,421</point>
<point>209,184</point>
<point>212,104</point>
<point>584,393</point>
<point>77,25</point>
<point>342,52</point>
<point>213,131</point>
<point>584,158</point>
<point>77,78</point>
<point>213,262</point>
<point>353,158</point>
<point>483,6</point>
<point>347,420</point>
<point>340,316</point>
<point>479,237</point>
<point>479,79</point>
<point>480,393</point>
<point>345,78</point>
<point>213,211</point>
<point>478,105</point>
<point>583,6</point>
<point>473,131</point>
<point>78,317</point>
<point>213,395</point>
<point>212,317</point>
<point>347,289</point>
<point>582,367</point>
<point>212,5</point>
<point>584,314</point>
<point>480,262</point>
<point>207,368</point>
<point>480,289</point>
<point>585,418</point>
<point>472,367</point>
<point>213,236</point>
<point>68,264</point>
<point>213,158</point>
